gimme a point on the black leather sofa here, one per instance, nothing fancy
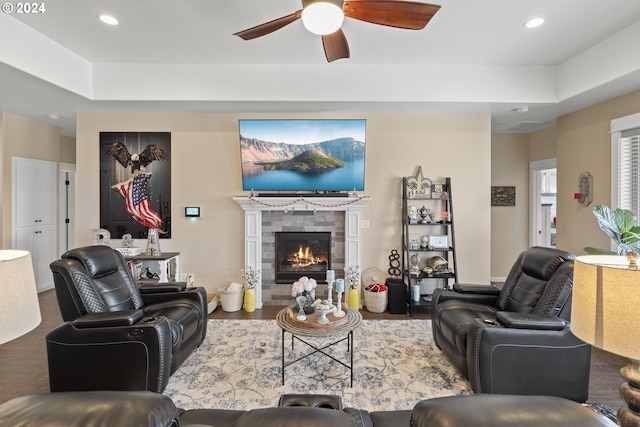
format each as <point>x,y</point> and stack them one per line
<point>517,339</point>
<point>141,409</point>
<point>144,333</point>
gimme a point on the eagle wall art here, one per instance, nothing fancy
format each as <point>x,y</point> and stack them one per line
<point>135,183</point>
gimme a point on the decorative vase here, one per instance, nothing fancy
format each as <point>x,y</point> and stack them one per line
<point>354,299</point>
<point>249,300</point>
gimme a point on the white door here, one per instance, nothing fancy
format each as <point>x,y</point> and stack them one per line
<point>34,193</point>
<point>34,199</point>
<point>40,242</point>
<point>543,189</point>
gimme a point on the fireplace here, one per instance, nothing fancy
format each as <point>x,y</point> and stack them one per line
<point>265,216</point>
<point>302,254</point>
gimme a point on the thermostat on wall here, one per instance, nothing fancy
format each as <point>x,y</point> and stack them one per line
<point>192,212</point>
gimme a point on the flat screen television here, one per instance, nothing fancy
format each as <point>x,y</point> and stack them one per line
<point>303,155</point>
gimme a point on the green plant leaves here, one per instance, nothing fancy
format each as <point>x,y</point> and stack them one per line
<point>597,251</point>
<point>621,225</point>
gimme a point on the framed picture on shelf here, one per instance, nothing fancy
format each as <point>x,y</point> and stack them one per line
<point>438,190</point>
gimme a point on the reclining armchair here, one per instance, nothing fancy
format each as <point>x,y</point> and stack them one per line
<point>116,335</point>
<point>516,340</point>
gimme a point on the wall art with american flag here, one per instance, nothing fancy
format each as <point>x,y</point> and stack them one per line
<point>135,183</point>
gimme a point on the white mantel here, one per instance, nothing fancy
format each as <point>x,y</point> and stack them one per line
<point>254,206</point>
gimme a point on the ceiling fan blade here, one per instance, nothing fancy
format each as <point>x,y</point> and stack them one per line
<point>268,27</point>
<point>400,14</point>
<point>335,46</point>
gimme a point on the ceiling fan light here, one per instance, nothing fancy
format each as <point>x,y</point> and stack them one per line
<point>322,18</point>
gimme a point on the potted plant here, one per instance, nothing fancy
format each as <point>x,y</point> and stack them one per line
<point>621,225</point>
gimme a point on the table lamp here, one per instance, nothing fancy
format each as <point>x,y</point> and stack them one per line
<point>19,308</point>
<point>605,313</point>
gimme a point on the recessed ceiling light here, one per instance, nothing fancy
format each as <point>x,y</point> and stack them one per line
<point>520,110</point>
<point>533,23</point>
<point>53,116</point>
<point>108,19</point>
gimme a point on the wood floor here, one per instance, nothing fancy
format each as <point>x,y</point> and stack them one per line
<point>23,361</point>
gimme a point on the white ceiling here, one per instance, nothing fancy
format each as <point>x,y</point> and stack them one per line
<point>474,57</point>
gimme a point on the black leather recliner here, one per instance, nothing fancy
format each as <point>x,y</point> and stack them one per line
<point>145,409</point>
<point>516,340</point>
<point>116,335</point>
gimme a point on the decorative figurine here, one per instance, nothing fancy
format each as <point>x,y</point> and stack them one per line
<point>413,214</point>
<point>153,243</point>
<point>394,263</point>
<point>101,237</point>
<point>127,241</point>
<point>424,214</point>
<point>415,270</point>
<point>152,275</point>
<point>418,185</point>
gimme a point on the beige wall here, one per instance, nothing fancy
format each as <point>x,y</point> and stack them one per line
<point>205,172</point>
<point>542,144</point>
<point>22,137</point>
<point>584,144</point>
<point>580,142</point>
<point>452,145</point>
<point>509,224</point>
<point>67,149</point>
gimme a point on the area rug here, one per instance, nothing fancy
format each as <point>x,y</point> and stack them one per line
<point>238,366</point>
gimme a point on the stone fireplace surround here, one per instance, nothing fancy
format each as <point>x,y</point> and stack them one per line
<point>263,216</point>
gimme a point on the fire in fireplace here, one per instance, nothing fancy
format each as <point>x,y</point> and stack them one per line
<point>302,254</point>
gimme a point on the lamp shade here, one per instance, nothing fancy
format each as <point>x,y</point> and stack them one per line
<point>19,308</point>
<point>605,309</point>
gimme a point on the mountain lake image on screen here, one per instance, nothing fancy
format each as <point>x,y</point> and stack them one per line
<point>303,155</point>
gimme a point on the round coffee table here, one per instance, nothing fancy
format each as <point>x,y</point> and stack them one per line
<point>309,328</point>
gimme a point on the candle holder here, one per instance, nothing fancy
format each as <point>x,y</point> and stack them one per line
<point>331,277</point>
<point>338,311</point>
<point>329,297</point>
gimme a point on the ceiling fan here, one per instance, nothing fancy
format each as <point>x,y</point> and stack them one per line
<point>324,17</point>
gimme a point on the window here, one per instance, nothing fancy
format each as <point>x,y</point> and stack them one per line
<point>625,163</point>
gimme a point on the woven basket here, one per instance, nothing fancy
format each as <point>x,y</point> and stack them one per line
<point>376,302</point>
<point>231,300</point>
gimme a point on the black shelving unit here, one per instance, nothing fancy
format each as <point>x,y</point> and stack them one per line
<point>437,226</point>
